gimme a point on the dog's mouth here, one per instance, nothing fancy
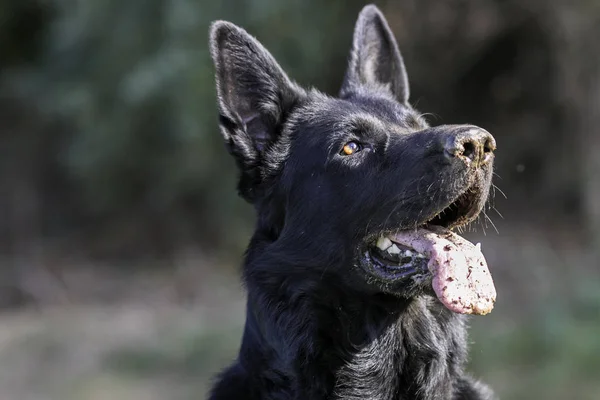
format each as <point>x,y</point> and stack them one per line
<point>394,259</point>
<point>460,212</point>
<point>414,257</point>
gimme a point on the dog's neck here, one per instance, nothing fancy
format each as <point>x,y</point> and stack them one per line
<point>408,357</point>
<point>372,347</point>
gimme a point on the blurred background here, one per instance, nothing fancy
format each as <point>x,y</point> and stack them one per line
<point>121,233</point>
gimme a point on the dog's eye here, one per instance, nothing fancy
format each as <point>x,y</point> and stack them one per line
<point>351,148</point>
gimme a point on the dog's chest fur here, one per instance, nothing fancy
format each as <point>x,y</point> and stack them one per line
<point>416,357</point>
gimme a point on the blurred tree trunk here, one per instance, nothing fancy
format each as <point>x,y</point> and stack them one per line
<point>578,59</point>
<point>25,159</point>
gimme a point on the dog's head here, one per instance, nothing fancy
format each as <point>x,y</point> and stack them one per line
<point>333,178</point>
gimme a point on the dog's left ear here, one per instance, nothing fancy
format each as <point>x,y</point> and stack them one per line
<point>254,98</point>
<point>375,60</point>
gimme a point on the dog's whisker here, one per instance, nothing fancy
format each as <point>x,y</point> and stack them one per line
<point>497,212</point>
<point>491,222</point>
<point>481,223</point>
<point>500,190</point>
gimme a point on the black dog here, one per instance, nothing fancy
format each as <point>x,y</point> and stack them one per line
<point>328,316</point>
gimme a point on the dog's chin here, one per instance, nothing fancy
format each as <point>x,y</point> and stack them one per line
<point>395,265</point>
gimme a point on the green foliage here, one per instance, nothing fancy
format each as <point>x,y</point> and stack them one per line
<point>133,85</point>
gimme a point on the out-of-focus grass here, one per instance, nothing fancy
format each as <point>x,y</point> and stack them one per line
<point>155,348</point>
<point>134,352</point>
<point>127,352</point>
<point>554,354</point>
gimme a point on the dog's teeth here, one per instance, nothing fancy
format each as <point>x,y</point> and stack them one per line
<point>408,253</point>
<point>393,249</point>
<point>478,245</point>
<point>384,243</point>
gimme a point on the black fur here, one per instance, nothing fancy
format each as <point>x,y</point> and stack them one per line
<point>319,326</point>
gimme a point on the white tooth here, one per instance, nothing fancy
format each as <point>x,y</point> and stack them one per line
<point>394,249</point>
<point>478,245</point>
<point>408,253</point>
<point>384,243</point>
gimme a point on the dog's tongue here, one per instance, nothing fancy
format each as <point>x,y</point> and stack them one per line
<point>461,279</point>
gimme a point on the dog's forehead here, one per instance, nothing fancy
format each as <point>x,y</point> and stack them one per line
<point>335,118</point>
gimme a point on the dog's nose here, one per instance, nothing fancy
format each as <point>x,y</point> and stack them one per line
<point>471,144</point>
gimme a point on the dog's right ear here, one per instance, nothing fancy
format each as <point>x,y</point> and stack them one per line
<point>375,60</point>
<point>254,98</point>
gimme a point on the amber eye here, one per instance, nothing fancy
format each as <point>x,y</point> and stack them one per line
<point>351,148</point>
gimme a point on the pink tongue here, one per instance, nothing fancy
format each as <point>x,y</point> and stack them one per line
<point>461,279</point>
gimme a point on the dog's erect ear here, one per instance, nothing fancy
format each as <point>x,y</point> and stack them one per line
<point>254,97</point>
<point>375,60</point>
